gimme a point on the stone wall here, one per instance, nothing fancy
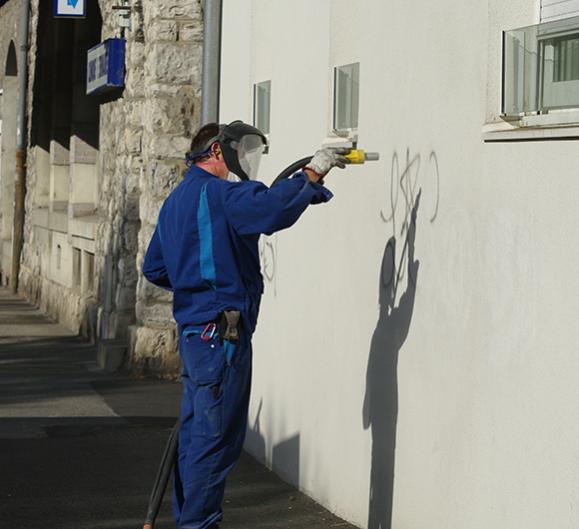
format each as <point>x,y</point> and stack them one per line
<point>144,134</point>
<point>9,34</point>
<point>9,19</point>
<point>144,137</point>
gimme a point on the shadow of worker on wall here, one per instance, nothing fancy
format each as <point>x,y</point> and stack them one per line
<point>380,410</point>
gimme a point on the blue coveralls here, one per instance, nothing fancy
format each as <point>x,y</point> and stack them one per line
<point>205,249</point>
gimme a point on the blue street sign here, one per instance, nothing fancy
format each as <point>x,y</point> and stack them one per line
<point>70,8</point>
<point>106,66</point>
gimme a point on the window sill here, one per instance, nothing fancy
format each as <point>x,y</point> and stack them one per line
<point>84,227</point>
<point>554,126</point>
<point>83,209</point>
<point>342,139</point>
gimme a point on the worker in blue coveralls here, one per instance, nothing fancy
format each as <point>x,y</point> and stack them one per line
<point>205,250</point>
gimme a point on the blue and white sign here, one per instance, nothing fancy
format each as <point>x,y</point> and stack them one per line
<point>70,8</point>
<point>106,66</point>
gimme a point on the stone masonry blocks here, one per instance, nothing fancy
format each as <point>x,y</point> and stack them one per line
<point>172,9</point>
<point>9,17</point>
<point>154,350</point>
<point>170,63</point>
<point>191,31</point>
<point>171,115</point>
<point>162,29</point>
<point>144,135</point>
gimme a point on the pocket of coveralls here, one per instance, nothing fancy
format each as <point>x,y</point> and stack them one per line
<point>208,406</point>
<point>204,361</point>
<point>205,366</point>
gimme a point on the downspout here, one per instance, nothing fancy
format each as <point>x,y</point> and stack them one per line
<point>211,61</point>
<point>20,176</point>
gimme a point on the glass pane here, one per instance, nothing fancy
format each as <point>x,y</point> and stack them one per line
<point>346,96</point>
<point>521,61</point>
<point>76,266</point>
<point>541,67</point>
<point>355,95</point>
<point>262,106</point>
<point>342,96</point>
<point>561,73</point>
<point>566,59</point>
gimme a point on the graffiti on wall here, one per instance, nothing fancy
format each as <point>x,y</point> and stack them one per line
<point>268,259</point>
<point>407,180</point>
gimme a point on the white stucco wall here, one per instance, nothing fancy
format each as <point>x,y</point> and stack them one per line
<point>488,401</point>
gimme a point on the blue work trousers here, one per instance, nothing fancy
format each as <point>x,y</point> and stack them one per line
<point>216,380</point>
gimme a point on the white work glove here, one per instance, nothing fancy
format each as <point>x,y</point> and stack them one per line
<point>326,158</point>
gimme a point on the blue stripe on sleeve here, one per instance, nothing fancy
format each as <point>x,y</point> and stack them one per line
<point>206,239</point>
<point>159,229</point>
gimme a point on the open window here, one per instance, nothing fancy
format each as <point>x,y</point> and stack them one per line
<point>346,98</point>
<point>541,68</point>
<point>262,106</point>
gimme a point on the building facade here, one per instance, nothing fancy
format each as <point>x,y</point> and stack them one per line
<point>99,166</point>
<point>416,354</point>
<point>419,377</point>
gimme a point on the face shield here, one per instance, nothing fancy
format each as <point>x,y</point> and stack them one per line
<point>249,151</point>
<point>242,147</point>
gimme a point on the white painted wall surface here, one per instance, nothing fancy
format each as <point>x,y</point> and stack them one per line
<point>488,400</point>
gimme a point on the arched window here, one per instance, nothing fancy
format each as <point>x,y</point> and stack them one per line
<point>11,62</point>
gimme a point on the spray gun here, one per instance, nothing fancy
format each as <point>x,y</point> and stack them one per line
<point>354,155</point>
<point>360,156</point>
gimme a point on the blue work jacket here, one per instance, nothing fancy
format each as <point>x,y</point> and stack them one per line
<point>205,245</point>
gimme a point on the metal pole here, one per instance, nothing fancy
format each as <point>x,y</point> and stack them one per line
<point>211,61</point>
<point>20,176</point>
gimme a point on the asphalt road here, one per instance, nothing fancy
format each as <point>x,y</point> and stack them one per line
<point>79,448</point>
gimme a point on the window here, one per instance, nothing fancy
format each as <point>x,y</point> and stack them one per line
<point>262,106</point>
<point>346,97</point>
<point>88,271</point>
<point>541,68</point>
<point>76,267</point>
<point>565,55</point>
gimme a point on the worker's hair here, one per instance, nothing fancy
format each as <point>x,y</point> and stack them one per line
<point>199,142</point>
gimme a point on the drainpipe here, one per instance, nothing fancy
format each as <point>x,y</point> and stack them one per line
<point>211,61</point>
<point>20,177</point>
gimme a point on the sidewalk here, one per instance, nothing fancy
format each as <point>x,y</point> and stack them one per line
<point>79,448</point>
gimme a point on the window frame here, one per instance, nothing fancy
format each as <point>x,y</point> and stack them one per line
<point>256,113</point>
<point>351,130</point>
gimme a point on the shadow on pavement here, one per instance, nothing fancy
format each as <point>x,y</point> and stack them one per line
<point>80,449</point>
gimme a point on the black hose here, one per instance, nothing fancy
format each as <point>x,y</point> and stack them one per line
<point>293,168</point>
<point>162,479</point>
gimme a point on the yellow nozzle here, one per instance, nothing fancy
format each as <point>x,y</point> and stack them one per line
<point>359,156</point>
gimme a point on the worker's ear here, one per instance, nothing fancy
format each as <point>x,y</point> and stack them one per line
<point>216,150</point>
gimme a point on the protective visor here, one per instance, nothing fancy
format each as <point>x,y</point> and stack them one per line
<point>249,150</point>
<point>242,147</point>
